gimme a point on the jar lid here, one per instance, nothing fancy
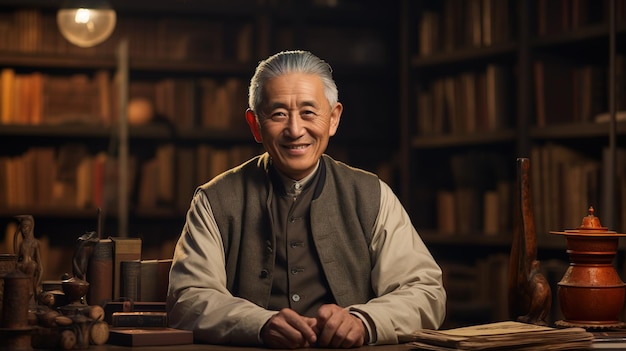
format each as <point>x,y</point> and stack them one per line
<point>590,226</point>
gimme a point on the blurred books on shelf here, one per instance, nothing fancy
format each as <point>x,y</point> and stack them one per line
<point>606,117</point>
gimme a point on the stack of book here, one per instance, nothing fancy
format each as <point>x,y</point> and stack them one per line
<point>145,329</point>
<point>610,339</point>
<point>501,336</point>
<point>149,336</point>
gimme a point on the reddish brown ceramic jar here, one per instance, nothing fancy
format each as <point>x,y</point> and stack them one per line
<point>591,293</point>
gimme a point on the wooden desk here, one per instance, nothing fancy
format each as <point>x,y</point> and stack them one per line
<point>204,347</point>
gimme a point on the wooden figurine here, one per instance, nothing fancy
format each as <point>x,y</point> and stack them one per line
<point>82,253</point>
<point>28,253</point>
<point>529,293</point>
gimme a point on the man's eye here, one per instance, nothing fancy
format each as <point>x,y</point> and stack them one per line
<point>278,115</point>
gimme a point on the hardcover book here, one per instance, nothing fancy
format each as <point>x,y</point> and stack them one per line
<point>149,336</point>
<point>148,281</point>
<point>163,278</point>
<point>100,273</point>
<point>130,279</point>
<point>124,249</point>
<point>139,319</point>
<point>130,306</point>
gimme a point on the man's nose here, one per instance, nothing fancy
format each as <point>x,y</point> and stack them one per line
<point>294,125</point>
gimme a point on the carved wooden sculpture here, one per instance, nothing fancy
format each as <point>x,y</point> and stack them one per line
<point>82,253</point>
<point>28,253</point>
<point>530,296</point>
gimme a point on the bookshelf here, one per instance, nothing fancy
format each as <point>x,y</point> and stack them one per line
<point>192,62</point>
<point>484,82</point>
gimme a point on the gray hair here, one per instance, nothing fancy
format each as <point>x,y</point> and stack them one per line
<point>289,62</point>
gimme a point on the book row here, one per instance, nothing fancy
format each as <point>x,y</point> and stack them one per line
<point>475,101</point>
<point>467,211</point>
<point>566,92</point>
<point>463,24</point>
<point>154,37</point>
<point>554,17</point>
<point>117,271</point>
<point>478,291</point>
<point>72,177</point>
<point>466,103</point>
<point>41,99</point>
<point>460,24</point>
<point>565,183</point>
<point>477,198</point>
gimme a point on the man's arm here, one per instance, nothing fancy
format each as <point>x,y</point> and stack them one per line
<point>405,277</point>
<point>198,299</point>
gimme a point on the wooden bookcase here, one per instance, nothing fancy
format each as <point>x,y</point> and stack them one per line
<point>192,61</point>
<point>484,82</point>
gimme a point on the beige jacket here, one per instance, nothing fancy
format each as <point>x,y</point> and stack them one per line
<point>404,277</point>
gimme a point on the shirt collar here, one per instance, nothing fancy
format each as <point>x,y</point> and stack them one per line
<point>294,187</point>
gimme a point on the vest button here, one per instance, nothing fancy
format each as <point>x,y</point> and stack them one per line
<point>296,243</point>
<point>264,273</point>
<point>295,297</point>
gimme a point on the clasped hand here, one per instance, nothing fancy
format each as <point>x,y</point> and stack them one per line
<point>333,327</point>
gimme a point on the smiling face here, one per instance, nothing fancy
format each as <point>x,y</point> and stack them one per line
<point>295,122</point>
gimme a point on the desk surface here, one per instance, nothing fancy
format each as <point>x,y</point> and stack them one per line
<point>197,347</point>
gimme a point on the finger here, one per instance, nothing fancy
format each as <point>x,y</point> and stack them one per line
<point>287,329</point>
<point>341,329</point>
<point>355,336</point>
<point>304,325</point>
<point>348,334</point>
<point>277,333</point>
<point>329,320</point>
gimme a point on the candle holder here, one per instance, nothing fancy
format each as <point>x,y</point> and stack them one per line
<point>591,293</point>
<point>75,290</point>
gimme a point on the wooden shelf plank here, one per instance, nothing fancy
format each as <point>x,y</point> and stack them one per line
<point>575,130</point>
<point>439,141</point>
<point>445,58</point>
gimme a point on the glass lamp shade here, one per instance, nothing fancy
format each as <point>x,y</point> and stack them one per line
<point>86,23</point>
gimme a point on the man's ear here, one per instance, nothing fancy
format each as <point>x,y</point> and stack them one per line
<point>335,117</point>
<point>254,125</point>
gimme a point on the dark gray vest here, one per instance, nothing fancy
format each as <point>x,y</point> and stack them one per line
<point>298,280</point>
<point>342,214</point>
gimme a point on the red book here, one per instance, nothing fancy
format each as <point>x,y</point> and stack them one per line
<point>149,336</point>
<point>100,273</point>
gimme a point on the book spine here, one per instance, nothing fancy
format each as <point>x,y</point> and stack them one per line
<point>130,279</point>
<point>138,319</point>
<point>148,280</point>
<point>163,278</point>
<point>100,273</point>
<point>124,249</point>
<point>149,336</point>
